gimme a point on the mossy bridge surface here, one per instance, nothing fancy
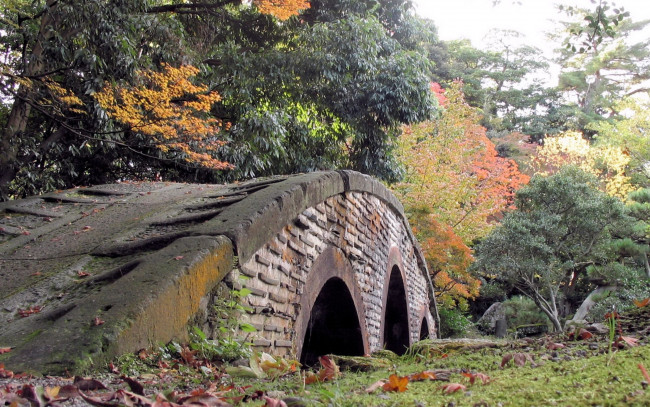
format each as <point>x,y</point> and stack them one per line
<point>90,273</point>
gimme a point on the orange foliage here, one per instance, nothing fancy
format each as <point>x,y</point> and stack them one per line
<point>448,259</point>
<point>172,111</point>
<point>453,168</point>
<point>282,9</point>
<point>454,177</point>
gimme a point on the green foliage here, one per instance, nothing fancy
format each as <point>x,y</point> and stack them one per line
<point>621,300</point>
<point>224,348</point>
<point>562,225</point>
<point>521,310</point>
<point>595,27</point>
<point>606,69</point>
<point>453,323</point>
<point>495,80</point>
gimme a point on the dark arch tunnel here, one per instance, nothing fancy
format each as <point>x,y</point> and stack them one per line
<point>396,327</point>
<point>424,329</point>
<point>333,326</point>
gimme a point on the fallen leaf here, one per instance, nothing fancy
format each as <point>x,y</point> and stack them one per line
<point>642,303</point>
<point>329,371</point>
<point>5,374</point>
<point>273,402</point>
<point>88,384</point>
<point>86,228</point>
<point>426,375</point>
<point>134,385</point>
<point>82,274</point>
<point>452,387</point>
<point>68,391</point>
<point>5,350</point>
<point>178,257</point>
<point>376,385</point>
<point>396,383</point>
<point>582,333</point>
<point>631,341</point>
<point>29,311</point>
<point>644,372</point>
<point>520,359</point>
<point>98,321</point>
<point>555,346</point>
<point>473,376</point>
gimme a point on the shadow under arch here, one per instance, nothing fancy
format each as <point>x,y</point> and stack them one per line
<point>331,319</point>
<point>395,313</point>
<point>424,329</point>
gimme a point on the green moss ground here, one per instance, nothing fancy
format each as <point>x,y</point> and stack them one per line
<point>581,374</point>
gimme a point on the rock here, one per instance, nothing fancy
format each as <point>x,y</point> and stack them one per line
<point>488,322</point>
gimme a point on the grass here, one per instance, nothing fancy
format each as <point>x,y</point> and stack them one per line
<point>573,376</point>
<point>568,373</point>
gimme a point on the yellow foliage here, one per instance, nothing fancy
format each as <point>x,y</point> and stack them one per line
<point>606,162</point>
<point>170,109</point>
<point>282,9</point>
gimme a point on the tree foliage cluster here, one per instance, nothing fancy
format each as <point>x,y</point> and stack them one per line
<point>454,189</point>
<point>301,86</point>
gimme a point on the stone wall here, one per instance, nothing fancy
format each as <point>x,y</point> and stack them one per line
<point>373,239</point>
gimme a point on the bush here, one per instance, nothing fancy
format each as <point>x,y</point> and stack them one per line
<point>620,300</point>
<point>522,310</point>
<point>453,323</point>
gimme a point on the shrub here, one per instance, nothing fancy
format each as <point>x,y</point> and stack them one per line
<point>522,310</point>
<point>453,323</point>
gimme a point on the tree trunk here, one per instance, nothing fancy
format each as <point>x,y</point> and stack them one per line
<point>21,109</point>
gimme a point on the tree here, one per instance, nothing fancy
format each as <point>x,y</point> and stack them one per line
<point>607,68</point>
<point>171,112</point>
<point>455,187</point>
<point>75,46</point>
<point>498,80</point>
<point>607,162</point>
<point>630,134</point>
<point>298,95</point>
<point>454,169</point>
<point>332,96</point>
<point>562,225</point>
<point>448,259</point>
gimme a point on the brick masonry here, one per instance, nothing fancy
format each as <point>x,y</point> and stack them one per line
<point>366,230</point>
<point>155,257</point>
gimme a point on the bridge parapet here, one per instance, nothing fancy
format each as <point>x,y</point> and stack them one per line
<point>329,259</point>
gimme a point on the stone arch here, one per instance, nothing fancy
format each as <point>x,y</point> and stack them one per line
<point>331,275</point>
<point>292,237</point>
<point>395,319</point>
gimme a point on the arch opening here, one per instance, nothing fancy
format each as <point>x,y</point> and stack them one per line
<point>396,329</point>
<point>333,326</point>
<point>424,329</point>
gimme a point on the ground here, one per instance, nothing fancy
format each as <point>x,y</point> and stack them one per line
<point>578,368</point>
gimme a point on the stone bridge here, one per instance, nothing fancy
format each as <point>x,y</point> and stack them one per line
<point>328,260</point>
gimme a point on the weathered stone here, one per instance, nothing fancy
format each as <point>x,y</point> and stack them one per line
<point>487,322</point>
<point>145,247</point>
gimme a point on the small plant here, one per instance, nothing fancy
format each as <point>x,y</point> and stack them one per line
<point>611,320</point>
<point>453,323</point>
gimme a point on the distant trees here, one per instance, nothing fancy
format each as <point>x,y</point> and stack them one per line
<point>562,231</point>
<point>601,70</point>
